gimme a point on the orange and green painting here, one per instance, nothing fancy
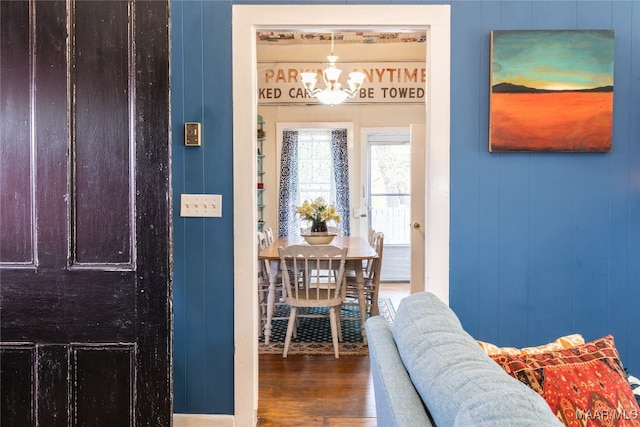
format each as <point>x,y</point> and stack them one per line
<point>551,90</point>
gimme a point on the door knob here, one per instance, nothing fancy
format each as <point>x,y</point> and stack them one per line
<point>415,225</point>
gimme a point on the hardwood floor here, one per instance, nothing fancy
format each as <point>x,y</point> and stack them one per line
<point>314,391</point>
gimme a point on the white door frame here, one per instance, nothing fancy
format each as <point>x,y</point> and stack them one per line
<point>435,20</point>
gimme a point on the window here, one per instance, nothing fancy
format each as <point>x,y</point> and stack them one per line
<point>314,162</point>
<point>315,167</point>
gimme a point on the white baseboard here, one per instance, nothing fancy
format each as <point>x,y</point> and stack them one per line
<point>202,420</point>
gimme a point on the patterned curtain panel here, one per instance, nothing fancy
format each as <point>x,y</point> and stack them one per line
<point>340,158</point>
<point>289,222</point>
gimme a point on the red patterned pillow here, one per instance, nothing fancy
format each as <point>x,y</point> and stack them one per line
<point>584,385</point>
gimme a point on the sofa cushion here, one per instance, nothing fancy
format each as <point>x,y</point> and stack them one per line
<point>459,383</point>
<point>397,401</point>
<point>582,383</point>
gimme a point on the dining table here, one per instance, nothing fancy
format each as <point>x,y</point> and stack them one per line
<point>359,251</point>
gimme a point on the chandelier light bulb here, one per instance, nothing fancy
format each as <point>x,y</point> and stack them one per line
<point>309,80</point>
<point>333,93</point>
<point>332,73</point>
<point>355,81</point>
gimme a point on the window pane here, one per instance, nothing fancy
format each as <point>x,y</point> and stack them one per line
<point>315,175</point>
<point>390,169</point>
<point>390,186</point>
<point>391,214</point>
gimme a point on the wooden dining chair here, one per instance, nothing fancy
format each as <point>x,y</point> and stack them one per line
<point>371,275</point>
<point>371,235</point>
<point>371,238</point>
<point>268,232</point>
<point>307,287</point>
<point>264,281</point>
<point>263,284</point>
<point>262,240</point>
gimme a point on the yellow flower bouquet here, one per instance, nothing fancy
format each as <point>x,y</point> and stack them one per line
<point>318,211</point>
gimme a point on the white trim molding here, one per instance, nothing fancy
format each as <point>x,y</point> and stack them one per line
<point>435,20</point>
<point>202,420</point>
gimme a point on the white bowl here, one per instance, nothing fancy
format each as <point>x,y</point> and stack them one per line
<point>318,239</point>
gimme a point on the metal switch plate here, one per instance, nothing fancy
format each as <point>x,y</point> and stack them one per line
<point>192,134</point>
<point>202,205</point>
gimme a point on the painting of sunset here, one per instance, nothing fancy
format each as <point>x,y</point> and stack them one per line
<point>551,90</point>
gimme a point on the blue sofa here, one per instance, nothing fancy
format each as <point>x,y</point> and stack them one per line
<point>428,371</point>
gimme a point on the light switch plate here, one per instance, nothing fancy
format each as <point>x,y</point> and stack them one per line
<point>192,134</point>
<point>202,205</point>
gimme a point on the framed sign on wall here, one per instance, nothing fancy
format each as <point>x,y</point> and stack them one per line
<point>385,82</point>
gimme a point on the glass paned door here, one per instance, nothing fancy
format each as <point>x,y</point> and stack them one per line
<point>389,201</point>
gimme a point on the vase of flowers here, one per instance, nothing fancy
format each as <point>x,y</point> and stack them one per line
<point>319,227</point>
<point>318,212</point>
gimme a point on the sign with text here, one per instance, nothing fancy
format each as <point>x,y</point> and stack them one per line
<point>386,82</point>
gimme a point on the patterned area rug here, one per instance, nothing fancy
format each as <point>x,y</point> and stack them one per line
<point>314,334</point>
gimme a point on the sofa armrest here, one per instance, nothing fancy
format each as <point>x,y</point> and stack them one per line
<point>397,402</point>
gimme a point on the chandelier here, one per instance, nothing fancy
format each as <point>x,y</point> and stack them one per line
<point>333,93</point>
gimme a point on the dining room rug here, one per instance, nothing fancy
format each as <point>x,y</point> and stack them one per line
<point>314,334</point>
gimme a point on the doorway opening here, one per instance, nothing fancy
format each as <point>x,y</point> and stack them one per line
<point>247,19</point>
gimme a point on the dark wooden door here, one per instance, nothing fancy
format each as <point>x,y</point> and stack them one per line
<point>85,266</point>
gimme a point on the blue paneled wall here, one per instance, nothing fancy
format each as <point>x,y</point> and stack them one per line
<point>203,247</point>
<point>542,244</point>
<point>545,244</point>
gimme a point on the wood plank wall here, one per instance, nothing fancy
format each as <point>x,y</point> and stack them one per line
<point>541,244</point>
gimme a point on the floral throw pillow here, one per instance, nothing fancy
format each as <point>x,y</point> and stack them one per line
<point>635,386</point>
<point>558,344</point>
<point>584,385</point>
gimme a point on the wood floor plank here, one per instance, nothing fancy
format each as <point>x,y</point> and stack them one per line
<point>319,391</point>
<point>319,386</point>
<point>351,422</point>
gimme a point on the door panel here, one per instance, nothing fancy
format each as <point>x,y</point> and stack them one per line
<point>16,244</point>
<point>391,163</point>
<point>114,364</point>
<point>50,134</point>
<point>84,214</point>
<point>418,208</point>
<point>16,384</point>
<point>102,150</point>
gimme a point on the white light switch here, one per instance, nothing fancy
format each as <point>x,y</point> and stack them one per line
<point>209,205</point>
